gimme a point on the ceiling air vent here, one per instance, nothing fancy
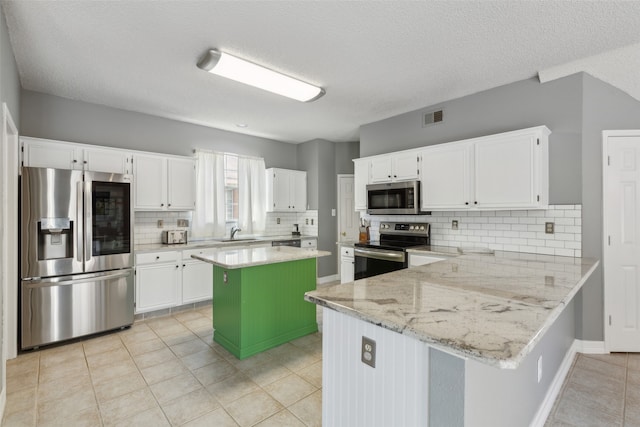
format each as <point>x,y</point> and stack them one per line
<point>432,118</point>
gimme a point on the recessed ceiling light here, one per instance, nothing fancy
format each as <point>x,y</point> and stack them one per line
<point>246,72</point>
<point>242,125</point>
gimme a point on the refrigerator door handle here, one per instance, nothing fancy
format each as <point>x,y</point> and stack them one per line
<point>89,278</point>
<point>79,222</point>
<point>88,226</point>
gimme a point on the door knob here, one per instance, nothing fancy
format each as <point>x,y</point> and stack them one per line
<point>344,233</point>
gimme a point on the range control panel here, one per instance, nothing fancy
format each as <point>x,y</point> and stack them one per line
<point>407,228</point>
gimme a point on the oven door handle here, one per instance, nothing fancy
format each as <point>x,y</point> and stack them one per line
<point>397,256</point>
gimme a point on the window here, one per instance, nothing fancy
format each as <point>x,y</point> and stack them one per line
<point>231,187</point>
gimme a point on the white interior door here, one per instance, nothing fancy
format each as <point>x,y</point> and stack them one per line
<point>349,218</point>
<point>621,154</point>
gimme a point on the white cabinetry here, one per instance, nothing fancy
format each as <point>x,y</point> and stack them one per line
<point>164,183</point>
<point>157,280</point>
<point>286,190</point>
<point>44,153</point>
<point>346,264</point>
<point>360,181</point>
<point>309,243</point>
<point>446,176</point>
<point>197,277</point>
<point>503,171</point>
<point>395,167</point>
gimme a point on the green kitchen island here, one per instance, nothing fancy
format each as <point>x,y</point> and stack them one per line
<point>258,296</point>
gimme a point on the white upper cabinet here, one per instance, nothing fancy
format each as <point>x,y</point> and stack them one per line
<point>43,153</point>
<point>446,172</point>
<point>181,184</point>
<point>286,190</point>
<point>163,183</point>
<point>360,181</point>
<point>503,171</point>
<point>105,160</point>
<point>394,167</point>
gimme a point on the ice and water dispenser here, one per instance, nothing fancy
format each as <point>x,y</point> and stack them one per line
<point>55,238</point>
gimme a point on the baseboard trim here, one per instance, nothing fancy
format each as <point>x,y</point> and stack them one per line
<point>555,387</point>
<point>327,279</point>
<point>591,347</point>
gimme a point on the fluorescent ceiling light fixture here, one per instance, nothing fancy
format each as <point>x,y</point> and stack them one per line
<point>246,72</point>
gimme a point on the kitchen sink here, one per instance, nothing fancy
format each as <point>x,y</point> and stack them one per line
<point>238,240</point>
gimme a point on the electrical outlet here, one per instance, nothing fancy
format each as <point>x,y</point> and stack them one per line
<point>454,224</point>
<point>368,355</point>
<point>183,223</point>
<point>306,221</point>
<point>311,221</point>
<point>160,223</point>
<point>277,220</point>
<point>549,227</point>
<point>539,368</point>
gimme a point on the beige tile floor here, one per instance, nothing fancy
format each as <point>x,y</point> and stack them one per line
<point>165,371</point>
<point>600,390</point>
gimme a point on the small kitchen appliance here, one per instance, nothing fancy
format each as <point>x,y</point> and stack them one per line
<point>174,237</point>
<point>394,198</point>
<point>295,231</point>
<point>390,252</point>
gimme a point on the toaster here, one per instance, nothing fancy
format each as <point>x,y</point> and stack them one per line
<point>174,237</point>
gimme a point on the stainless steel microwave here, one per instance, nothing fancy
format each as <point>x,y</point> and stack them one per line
<point>394,198</point>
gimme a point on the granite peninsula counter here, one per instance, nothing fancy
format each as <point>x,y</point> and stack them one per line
<point>258,296</point>
<point>504,318</point>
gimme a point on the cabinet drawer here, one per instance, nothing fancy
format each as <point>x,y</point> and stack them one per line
<point>346,251</point>
<point>308,243</point>
<point>157,257</point>
<point>186,254</point>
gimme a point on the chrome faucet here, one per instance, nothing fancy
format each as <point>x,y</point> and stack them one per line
<point>234,230</point>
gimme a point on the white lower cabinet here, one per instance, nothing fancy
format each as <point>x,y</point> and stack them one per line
<point>156,277</point>
<point>309,243</point>
<point>347,263</point>
<point>197,281</point>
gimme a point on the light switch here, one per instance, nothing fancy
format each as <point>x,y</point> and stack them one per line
<point>333,212</point>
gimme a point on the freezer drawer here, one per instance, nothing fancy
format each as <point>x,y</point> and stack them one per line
<point>67,307</point>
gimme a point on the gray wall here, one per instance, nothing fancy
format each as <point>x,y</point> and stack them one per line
<point>318,158</point>
<point>604,108</point>
<point>9,81</point>
<point>345,153</point>
<point>53,117</point>
<point>557,104</point>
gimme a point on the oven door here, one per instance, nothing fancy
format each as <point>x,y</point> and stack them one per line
<point>371,262</point>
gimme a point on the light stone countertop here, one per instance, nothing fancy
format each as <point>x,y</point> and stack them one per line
<point>248,257</point>
<point>217,243</point>
<point>491,308</point>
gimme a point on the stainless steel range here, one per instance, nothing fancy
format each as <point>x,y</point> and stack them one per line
<point>389,253</point>
<point>76,254</point>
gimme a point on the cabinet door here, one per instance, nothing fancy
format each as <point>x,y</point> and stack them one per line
<point>109,161</point>
<point>445,182</point>
<point>360,181</point>
<point>156,286</point>
<point>281,190</point>
<point>405,167</point>
<point>381,169</point>
<point>505,172</point>
<point>346,269</point>
<point>181,184</point>
<point>150,177</point>
<point>298,191</point>
<point>39,153</point>
<point>197,281</point>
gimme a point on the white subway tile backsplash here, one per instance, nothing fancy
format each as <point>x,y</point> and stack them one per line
<point>518,231</point>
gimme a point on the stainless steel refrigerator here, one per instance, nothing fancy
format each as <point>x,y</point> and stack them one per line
<point>76,254</point>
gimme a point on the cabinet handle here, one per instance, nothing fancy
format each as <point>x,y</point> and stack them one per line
<point>177,266</point>
<point>183,265</point>
<point>466,203</point>
<point>161,204</point>
<point>157,258</point>
<point>395,176</point>
<point>85,162</point>
<point>75,161</point>
<point>475,203</point>
<point>169,204</point>
<point>388,176</point>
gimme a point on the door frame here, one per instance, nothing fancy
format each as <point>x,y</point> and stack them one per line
<point>606,134</point>
<point>9,262</point>
<point>339,208</point>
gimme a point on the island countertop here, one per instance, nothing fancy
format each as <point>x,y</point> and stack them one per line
<point>493,308</point>
<point>248,257</point>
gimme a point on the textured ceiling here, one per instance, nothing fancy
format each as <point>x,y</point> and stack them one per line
<point>375,59</point>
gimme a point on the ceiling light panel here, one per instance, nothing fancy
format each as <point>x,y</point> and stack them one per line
<point>234,68</point>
